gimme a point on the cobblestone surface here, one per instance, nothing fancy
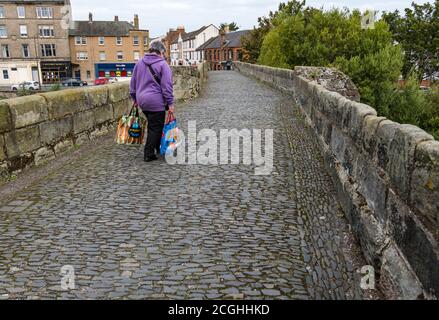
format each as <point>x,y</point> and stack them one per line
<point>133,230</point>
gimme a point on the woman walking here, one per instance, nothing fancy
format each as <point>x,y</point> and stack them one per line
<point>152,90</point>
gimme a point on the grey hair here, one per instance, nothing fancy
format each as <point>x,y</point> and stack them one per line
<point>157,46</point>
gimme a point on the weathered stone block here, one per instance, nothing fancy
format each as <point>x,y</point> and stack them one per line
<point>425,183</point>
<point>415,242</point>
<point>2,148</point>
<point>402,156</point>
<point>368,137</point>
<point>384,135</point>
<point>22,141</point>
<point>82,138</point>
<point>103,114</point>
<point>5,117</point>
<point>83,121</point>
<point>344,150</point>
<point>397,277</point>
<point>358,111</point>
<point>118,92</point>
<point>43,155</point>
<point>29,110</point>
<point>96,96</point>
<point>65,102</point>
<point>56,130</point>
<point>372,187</point>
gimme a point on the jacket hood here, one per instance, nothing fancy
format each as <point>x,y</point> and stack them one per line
<point>151,58</point>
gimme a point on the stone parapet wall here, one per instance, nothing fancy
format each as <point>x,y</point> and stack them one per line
<point>386,175</point>
<point>36,129</point>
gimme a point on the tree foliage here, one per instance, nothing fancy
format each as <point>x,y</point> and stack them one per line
<point>418,33</point>
<point>233,26</point>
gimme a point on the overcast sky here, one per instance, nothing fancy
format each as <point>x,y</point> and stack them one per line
<point>160,15</point>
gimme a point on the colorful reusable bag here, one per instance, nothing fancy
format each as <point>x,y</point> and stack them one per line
<point>131,128</point>
<point>170,139</point>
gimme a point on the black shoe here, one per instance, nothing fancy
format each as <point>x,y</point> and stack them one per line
<point>151,159</point>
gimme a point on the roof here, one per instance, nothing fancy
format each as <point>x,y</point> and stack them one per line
<point>191,35</point>
<point>232,40</point>
<point>101,28</point>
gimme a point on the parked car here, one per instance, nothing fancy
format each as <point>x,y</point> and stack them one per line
<point>73,83</point>
<point>101,81</point>
<point>113,80</point>
<point>28,85</point>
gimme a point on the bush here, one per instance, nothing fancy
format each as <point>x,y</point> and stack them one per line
<point>55,87</point>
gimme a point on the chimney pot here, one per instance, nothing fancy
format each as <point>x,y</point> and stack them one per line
<point>116,18</point>
<point>90,17</point>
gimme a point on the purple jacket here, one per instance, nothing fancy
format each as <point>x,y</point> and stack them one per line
<point>145,90</point>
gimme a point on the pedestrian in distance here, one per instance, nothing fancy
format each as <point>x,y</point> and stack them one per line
<point>152,91</point>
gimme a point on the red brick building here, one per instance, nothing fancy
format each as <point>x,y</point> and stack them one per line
<point>220,52</point>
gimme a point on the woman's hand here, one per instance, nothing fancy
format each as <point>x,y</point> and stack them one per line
<point>172,108</point>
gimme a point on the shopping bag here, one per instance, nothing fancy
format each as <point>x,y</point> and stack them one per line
<point>170,136</point>
<point>131,128</point>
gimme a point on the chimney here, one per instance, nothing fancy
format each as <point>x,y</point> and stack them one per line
<point>116,18</point>
<point>136,22</point>
<point>90,17</point>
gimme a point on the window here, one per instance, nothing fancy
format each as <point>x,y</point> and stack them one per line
<point>3,32</point>
<point>119,55</point>
<point>25,49</point>
<point>101,41</point>
<point>80,41</point>
<point>136,40</point>
<point>5,74</point>
<point>102,56</point>
<point>2,12</point>
<point>88,74</point>
<point>5,51</point>
<point>136,55</point>
<point>145,41</point>
<point>23,30</point>
<point>21,11</point>
<point>119,41</point>
<point>44,12</point>
<point>48,50</point>
<point>82,55</point>
<point>46,31</point>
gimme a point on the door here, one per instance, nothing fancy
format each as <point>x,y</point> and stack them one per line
<point>35,74</point>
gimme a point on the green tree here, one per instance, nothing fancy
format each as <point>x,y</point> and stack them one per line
<point>418,33</point>
<point>253,42</point>
<point>232,26</point>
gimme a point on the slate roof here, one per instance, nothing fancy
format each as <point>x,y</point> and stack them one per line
<point>101,28</point>
<point>190,35</point>
<point>232,39</point>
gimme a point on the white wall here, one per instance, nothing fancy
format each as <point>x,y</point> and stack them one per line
<point>23,73</point>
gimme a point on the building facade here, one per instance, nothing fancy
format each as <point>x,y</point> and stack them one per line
<point>221,51</point>
<point>183,49</point>
<point>34,44</point>
<point>104,49</point>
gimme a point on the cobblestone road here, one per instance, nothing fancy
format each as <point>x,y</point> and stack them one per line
<point>133,230</point>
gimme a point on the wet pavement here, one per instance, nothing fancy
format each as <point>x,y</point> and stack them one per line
<point>133,230</point>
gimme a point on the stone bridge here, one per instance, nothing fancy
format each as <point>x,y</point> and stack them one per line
<point>133,230</point>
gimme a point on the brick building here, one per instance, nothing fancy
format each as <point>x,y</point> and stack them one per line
<point>103,49</point>
<point>221,51</point>
<point>34,41</point>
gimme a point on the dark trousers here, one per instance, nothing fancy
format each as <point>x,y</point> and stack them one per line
<point>156,122</point>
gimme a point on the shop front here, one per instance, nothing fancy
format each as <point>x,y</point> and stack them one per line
<point>55,71</point>
<point>114,70</point>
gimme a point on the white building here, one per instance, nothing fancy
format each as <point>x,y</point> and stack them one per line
<point>184,49</point>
